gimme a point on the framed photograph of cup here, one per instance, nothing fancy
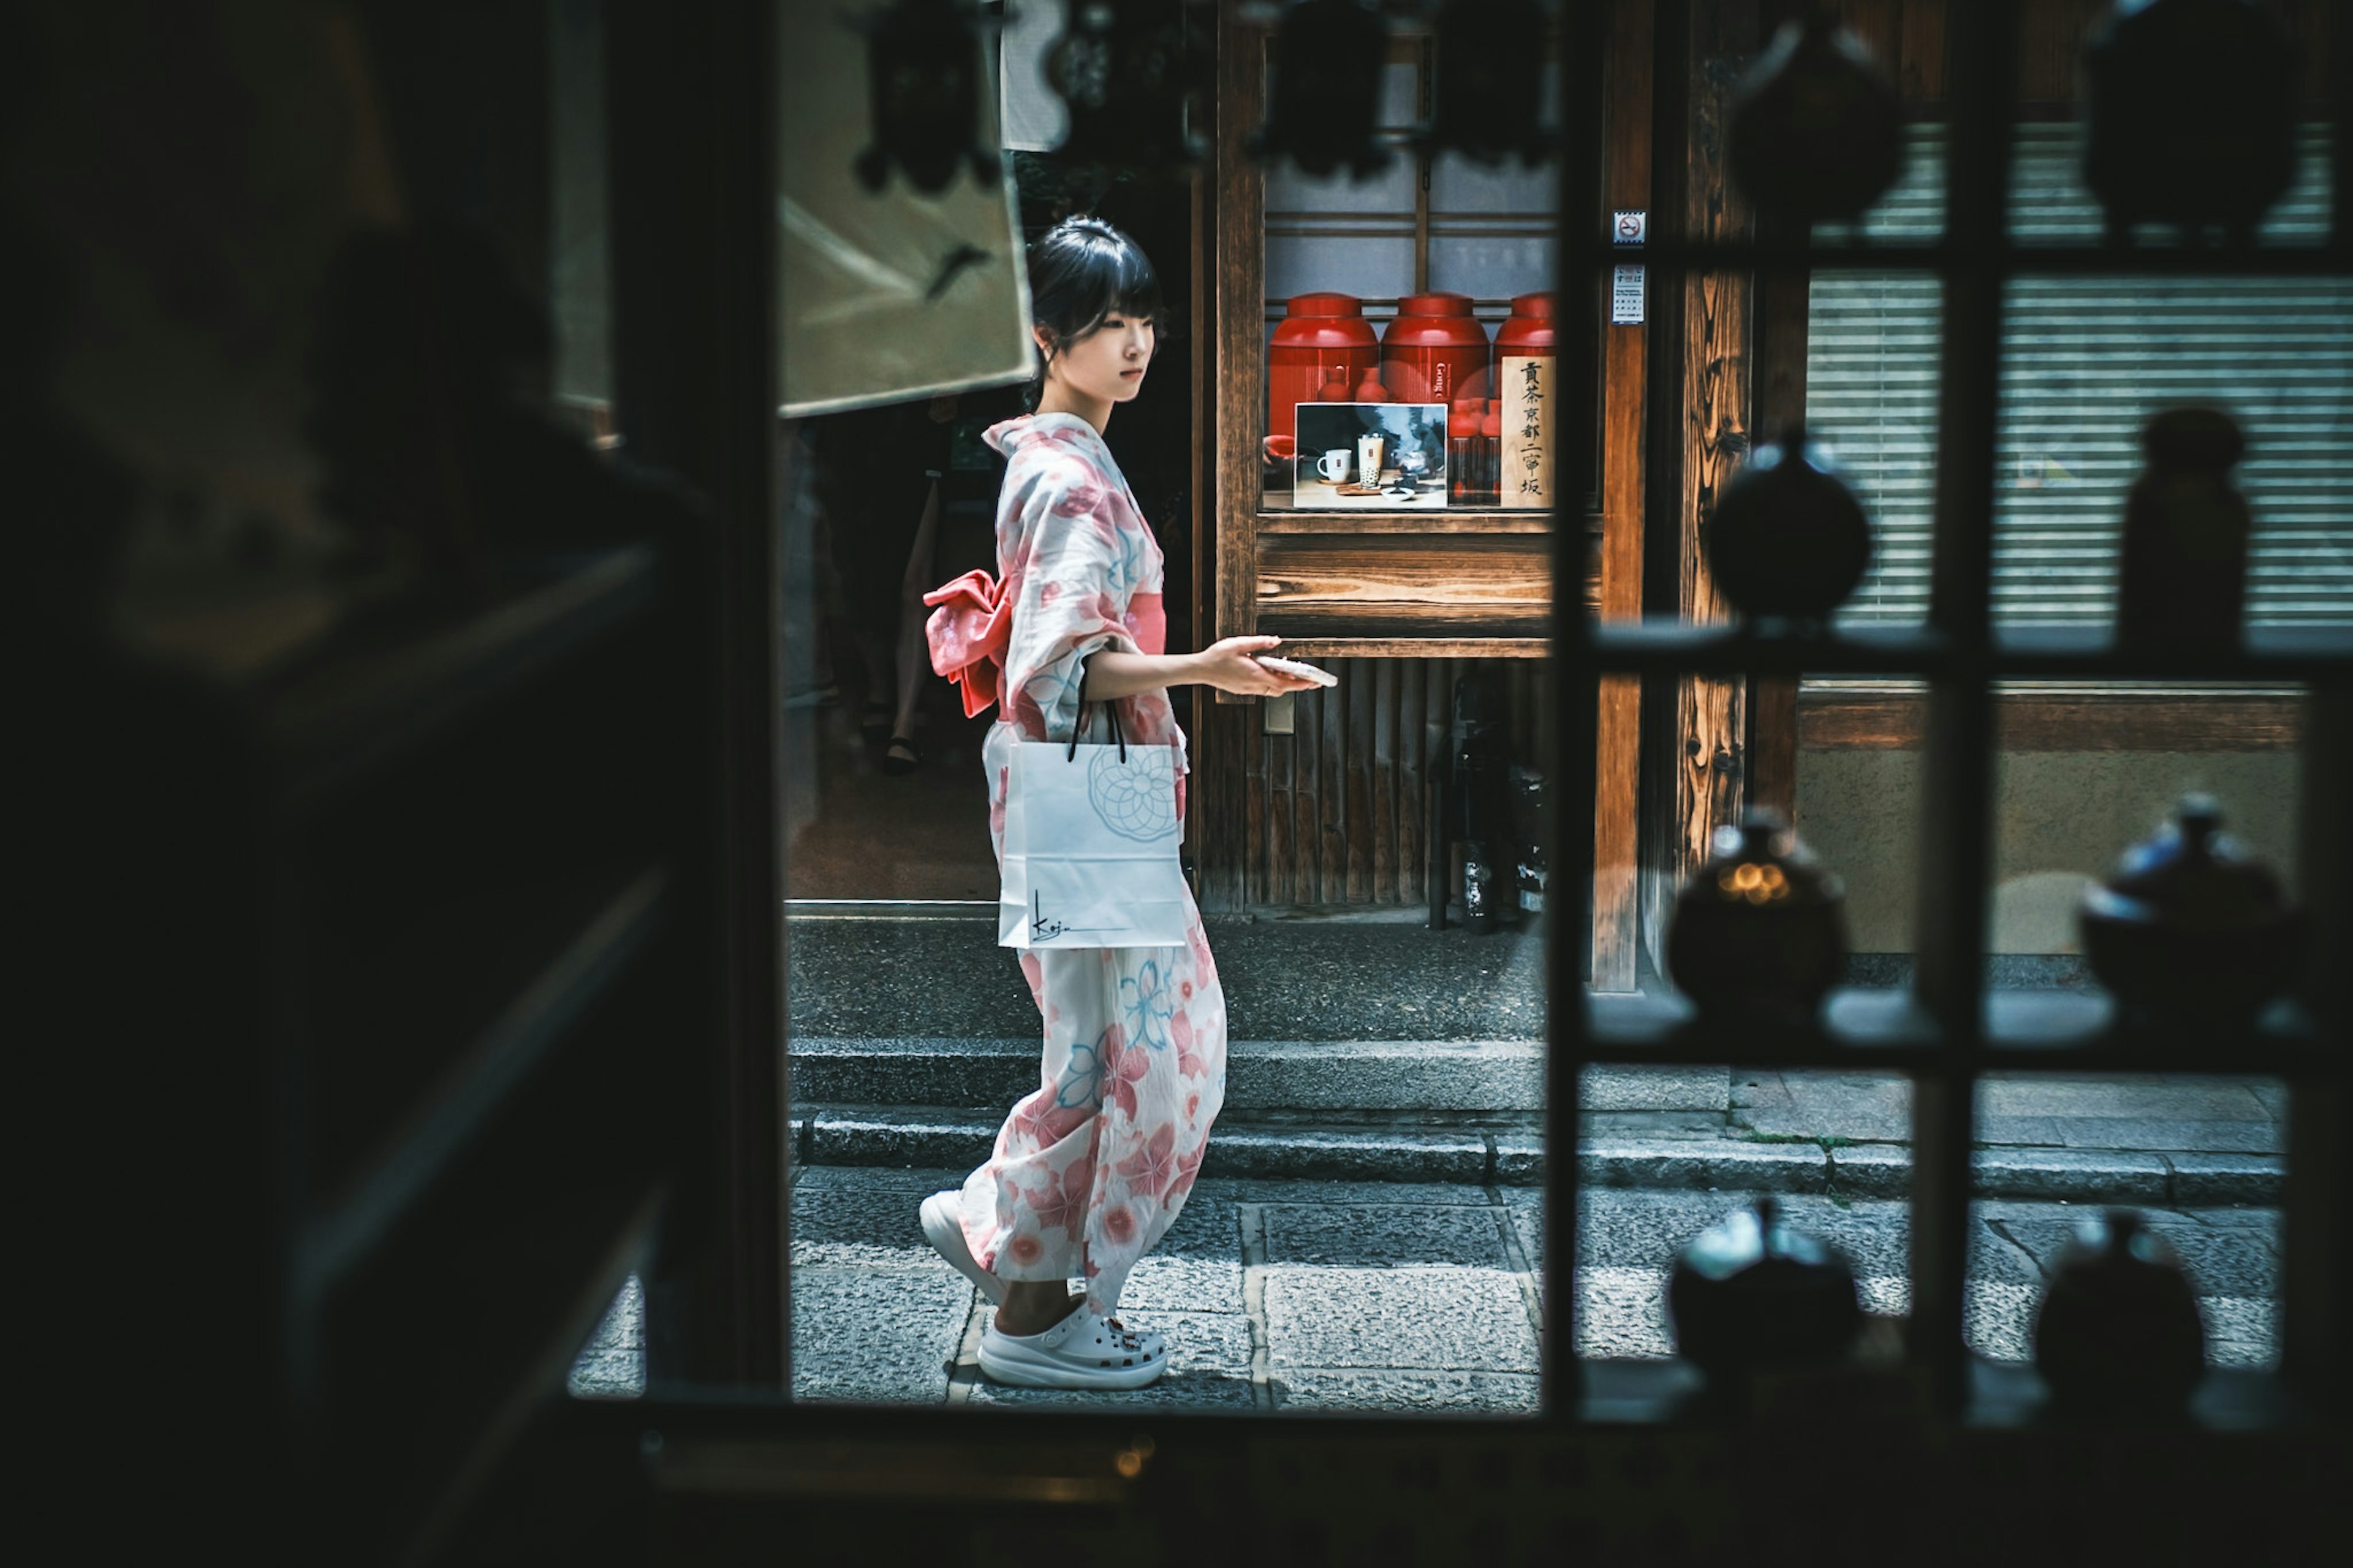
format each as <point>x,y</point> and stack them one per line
<point>1371,455</point>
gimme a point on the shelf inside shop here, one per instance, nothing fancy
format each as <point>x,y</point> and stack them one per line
<point>2077,1031</point>
<point>1934,255</point>
<point>2024,1031</point>
<point>2264,653</point>
<point>1655,646</point>
<point>2227,1399</point>
<point>2269,653</point>
<point>1855,1028</point>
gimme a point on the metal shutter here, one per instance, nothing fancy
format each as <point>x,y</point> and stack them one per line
<point>2085,361</point>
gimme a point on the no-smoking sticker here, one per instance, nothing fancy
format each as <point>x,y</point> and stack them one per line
<point>1630,227</point>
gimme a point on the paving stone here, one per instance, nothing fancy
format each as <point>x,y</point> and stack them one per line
<point>2153,1133</point>
<point>1622,1313</point>
<point>2240,1331</point>
<point>2075,1174</point>
<point>1461,1319</point>
<point>1861,1106</point>
<point>1358,1235</point>
<point>613,1363</point>
<point>1998,1318</point>
<point>1208,1227</point>
<point>2122,1094</point>
<point>1706,1125</point>
<point>1278,1190</point>
<point>921,1180</point>
<point>1722,1166</point>
<point>2271,1095</point>
<point>1655,1088</point>
<point>1161,1283</point>
<point>1519,1162</point>
<point>1224,1390</point>
<point>2199,1180</point>
<point>608,1374</point>
<point>1527,1209</point>
<point>1386,1075</point>
<point>2220,1262</point>
<point>1388,1392</point>
<point>871,1216</point>
<point>2030,1132</point>
<point>1756,1089</point>
<point>876,1335</point>
<point>1243,1153</point>
<point>1872,1171</point>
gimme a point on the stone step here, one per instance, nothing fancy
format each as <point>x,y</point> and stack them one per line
<point>1506,1148</point>
<point>1469,1075</point>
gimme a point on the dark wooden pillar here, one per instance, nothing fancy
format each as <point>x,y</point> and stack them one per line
<point>692,141</point>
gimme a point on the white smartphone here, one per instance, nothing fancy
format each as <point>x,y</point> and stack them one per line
<point>1294,668</point>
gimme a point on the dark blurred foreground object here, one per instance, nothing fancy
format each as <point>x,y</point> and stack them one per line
<point>2119,1333</point>
<point>2191,928</point>
<point>2182,576</point>
<point>1817,130</point>
<point>923,63</point>
<point>1490,86</point>
<point>453,480</point>
<point>1758,934</point>
<point>1129,70</point>
<point>1788,537</point>
<point>2191,105</point>
<point>1750,1294</point>
<point>1325,96</point>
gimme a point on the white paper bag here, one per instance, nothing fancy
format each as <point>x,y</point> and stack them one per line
<point>1091,838</point>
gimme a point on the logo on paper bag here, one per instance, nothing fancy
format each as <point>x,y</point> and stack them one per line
<point>1132,799</point>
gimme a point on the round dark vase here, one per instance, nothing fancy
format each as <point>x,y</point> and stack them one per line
<point>1750,1293</point>
<point>1760,931</point>
<point>1788,538</point>
<point>2119,1333</point>
<point>2190,930</point>
<point>1817,129</point>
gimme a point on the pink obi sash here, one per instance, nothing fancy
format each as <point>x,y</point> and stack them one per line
<point>968,631</point>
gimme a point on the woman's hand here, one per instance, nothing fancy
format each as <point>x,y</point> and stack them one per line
<point>1230,666</point>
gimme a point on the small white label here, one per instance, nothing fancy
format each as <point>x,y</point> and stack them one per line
<point>1629,228</point>
<point>1625,296</point>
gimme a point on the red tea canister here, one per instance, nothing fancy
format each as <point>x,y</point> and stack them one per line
<point>1435,351</point>
<point>1526,357</point>
<point>1323,340</point>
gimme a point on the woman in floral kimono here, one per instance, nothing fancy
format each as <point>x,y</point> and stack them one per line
<point>1091,1170</point>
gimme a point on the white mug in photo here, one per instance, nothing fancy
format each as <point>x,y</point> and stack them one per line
<point>1333,465</point>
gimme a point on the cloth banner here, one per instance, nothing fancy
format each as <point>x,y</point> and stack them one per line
<point>894,294</point>
<point>1091,838</point>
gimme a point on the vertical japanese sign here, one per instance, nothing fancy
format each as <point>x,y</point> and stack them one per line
<point>1527,468</point>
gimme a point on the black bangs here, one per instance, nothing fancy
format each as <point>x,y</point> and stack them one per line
<point>1084,271</point>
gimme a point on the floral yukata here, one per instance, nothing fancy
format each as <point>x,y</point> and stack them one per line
<point>1091,1169</point>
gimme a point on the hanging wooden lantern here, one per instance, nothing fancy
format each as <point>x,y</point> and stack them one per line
<point>923,61</point>
<point>1817,132</point>
<point>1326,99</point>
<point>2191,107</point>
<point>1490,82</point>
<point>1130,72</point>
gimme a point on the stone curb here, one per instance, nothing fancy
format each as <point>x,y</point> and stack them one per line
<point>1473,1076</point>
<point>1513,1156</point>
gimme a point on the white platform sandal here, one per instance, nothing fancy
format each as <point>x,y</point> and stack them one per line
<point>944,1231</point>
<point>1085,1350</point>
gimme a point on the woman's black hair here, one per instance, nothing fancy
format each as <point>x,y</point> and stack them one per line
<point>1084,272</point>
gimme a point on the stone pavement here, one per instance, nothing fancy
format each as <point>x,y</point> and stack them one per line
<point>1384,1297</point>
<point>1366,1046</point>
